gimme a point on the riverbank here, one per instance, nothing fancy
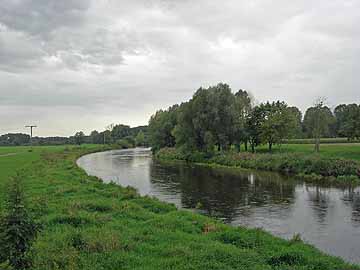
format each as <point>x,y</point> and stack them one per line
<point>91,225</point>
<point>311,167</point>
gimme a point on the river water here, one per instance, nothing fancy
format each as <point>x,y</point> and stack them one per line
<point>325,216</point>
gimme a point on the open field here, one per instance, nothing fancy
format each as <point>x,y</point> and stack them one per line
<point>333,150</point>
<point>91,225</point>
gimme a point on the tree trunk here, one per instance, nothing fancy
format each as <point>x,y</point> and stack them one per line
<point>253,148</point>
<point>246,145</point>
<point>270,147</point>
<point>317,145</point>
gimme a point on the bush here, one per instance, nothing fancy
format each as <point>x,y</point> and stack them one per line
<point>17,229</point>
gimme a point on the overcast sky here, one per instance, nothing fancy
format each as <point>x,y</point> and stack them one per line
<point>79,65</point>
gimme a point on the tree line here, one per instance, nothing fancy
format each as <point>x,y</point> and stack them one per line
<point>120,134</point>
<point>215,118</point>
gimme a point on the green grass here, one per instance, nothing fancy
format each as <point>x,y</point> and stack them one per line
<point>322,140</point>
<point>340,150</point>
<point>91,225</point>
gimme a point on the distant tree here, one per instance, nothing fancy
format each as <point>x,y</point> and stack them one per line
<point>253,126</point>
<point>243,106</point>
<point>317,121</point>
<point>209,117</point>
<point>14,139</point>
<point>161,126</point>
<point>96,137</point>
<point>140,138</point>
<point>79,137</point>
<point>120,131</point>
<point>278,123</point>
<point>348,120</point>
<point>297,114</point>
<point>106,137</point>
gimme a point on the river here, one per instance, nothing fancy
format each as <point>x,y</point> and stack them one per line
<point>325,216</point>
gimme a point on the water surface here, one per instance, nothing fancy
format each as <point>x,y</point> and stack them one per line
<point>325,216</point>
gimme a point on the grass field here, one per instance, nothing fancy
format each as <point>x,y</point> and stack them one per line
<point>333,150</point>
<point>91,225</point>
<point>322,140</point>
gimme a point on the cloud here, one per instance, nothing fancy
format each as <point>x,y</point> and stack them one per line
<point>118,61</point>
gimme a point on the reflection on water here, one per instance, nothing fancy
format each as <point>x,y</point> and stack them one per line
<point>327,217</point>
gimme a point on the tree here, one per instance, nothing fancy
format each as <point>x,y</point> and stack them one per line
<point>161,126</point>
<point>317,121</point>
<point>14,139</point>
<point>79,137</point>
<point>243,106</point>
<point>96,137</point>
<point>278,122</point>
<point>348,120</point>
<point>208,118</point>
<point>119,132</point>
<point>140,138</point>
<point>297,114</point>
<point>17,229</point>
<point>253,126</point>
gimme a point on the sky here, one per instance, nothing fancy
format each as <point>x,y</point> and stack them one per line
<point>80,65</point>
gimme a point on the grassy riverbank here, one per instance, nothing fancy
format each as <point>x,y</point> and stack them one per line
<point>91,225</point>
<point>327,150</point>
<point>296,160</point>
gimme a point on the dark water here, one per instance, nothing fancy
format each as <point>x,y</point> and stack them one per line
<point>326,217</point>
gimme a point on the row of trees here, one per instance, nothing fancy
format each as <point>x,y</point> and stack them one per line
<point>215,118</point>
<point>120,134</point>
<point>16,139</point>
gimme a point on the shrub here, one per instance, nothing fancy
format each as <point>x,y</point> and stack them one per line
<point>17,229</point>
<point>310,166</point>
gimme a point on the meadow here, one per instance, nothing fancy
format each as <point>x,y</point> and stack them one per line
<point>328,150</point>
<point>87,224</point>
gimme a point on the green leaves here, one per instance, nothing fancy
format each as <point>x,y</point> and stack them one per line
<point>17,229</point>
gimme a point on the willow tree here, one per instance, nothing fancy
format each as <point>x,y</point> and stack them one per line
<point>317,121</point>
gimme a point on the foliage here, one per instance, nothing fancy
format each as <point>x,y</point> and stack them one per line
<point>161,125</point>
<point>216,120</point>
<point>348,120</point>
<point>17,228</point>
<point>79,138</point>
<point>119,132</point>
<point>317,122</point>
<point>14,139</point>
<point>96,137</point>
<point>289,163</point>
<point>278,122</point>
<point>140,138</point>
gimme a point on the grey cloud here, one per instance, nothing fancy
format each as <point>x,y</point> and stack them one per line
<point>39,17</point>
<point>119,61</point>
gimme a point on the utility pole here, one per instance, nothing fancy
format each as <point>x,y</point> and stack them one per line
<point>31,132</point>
